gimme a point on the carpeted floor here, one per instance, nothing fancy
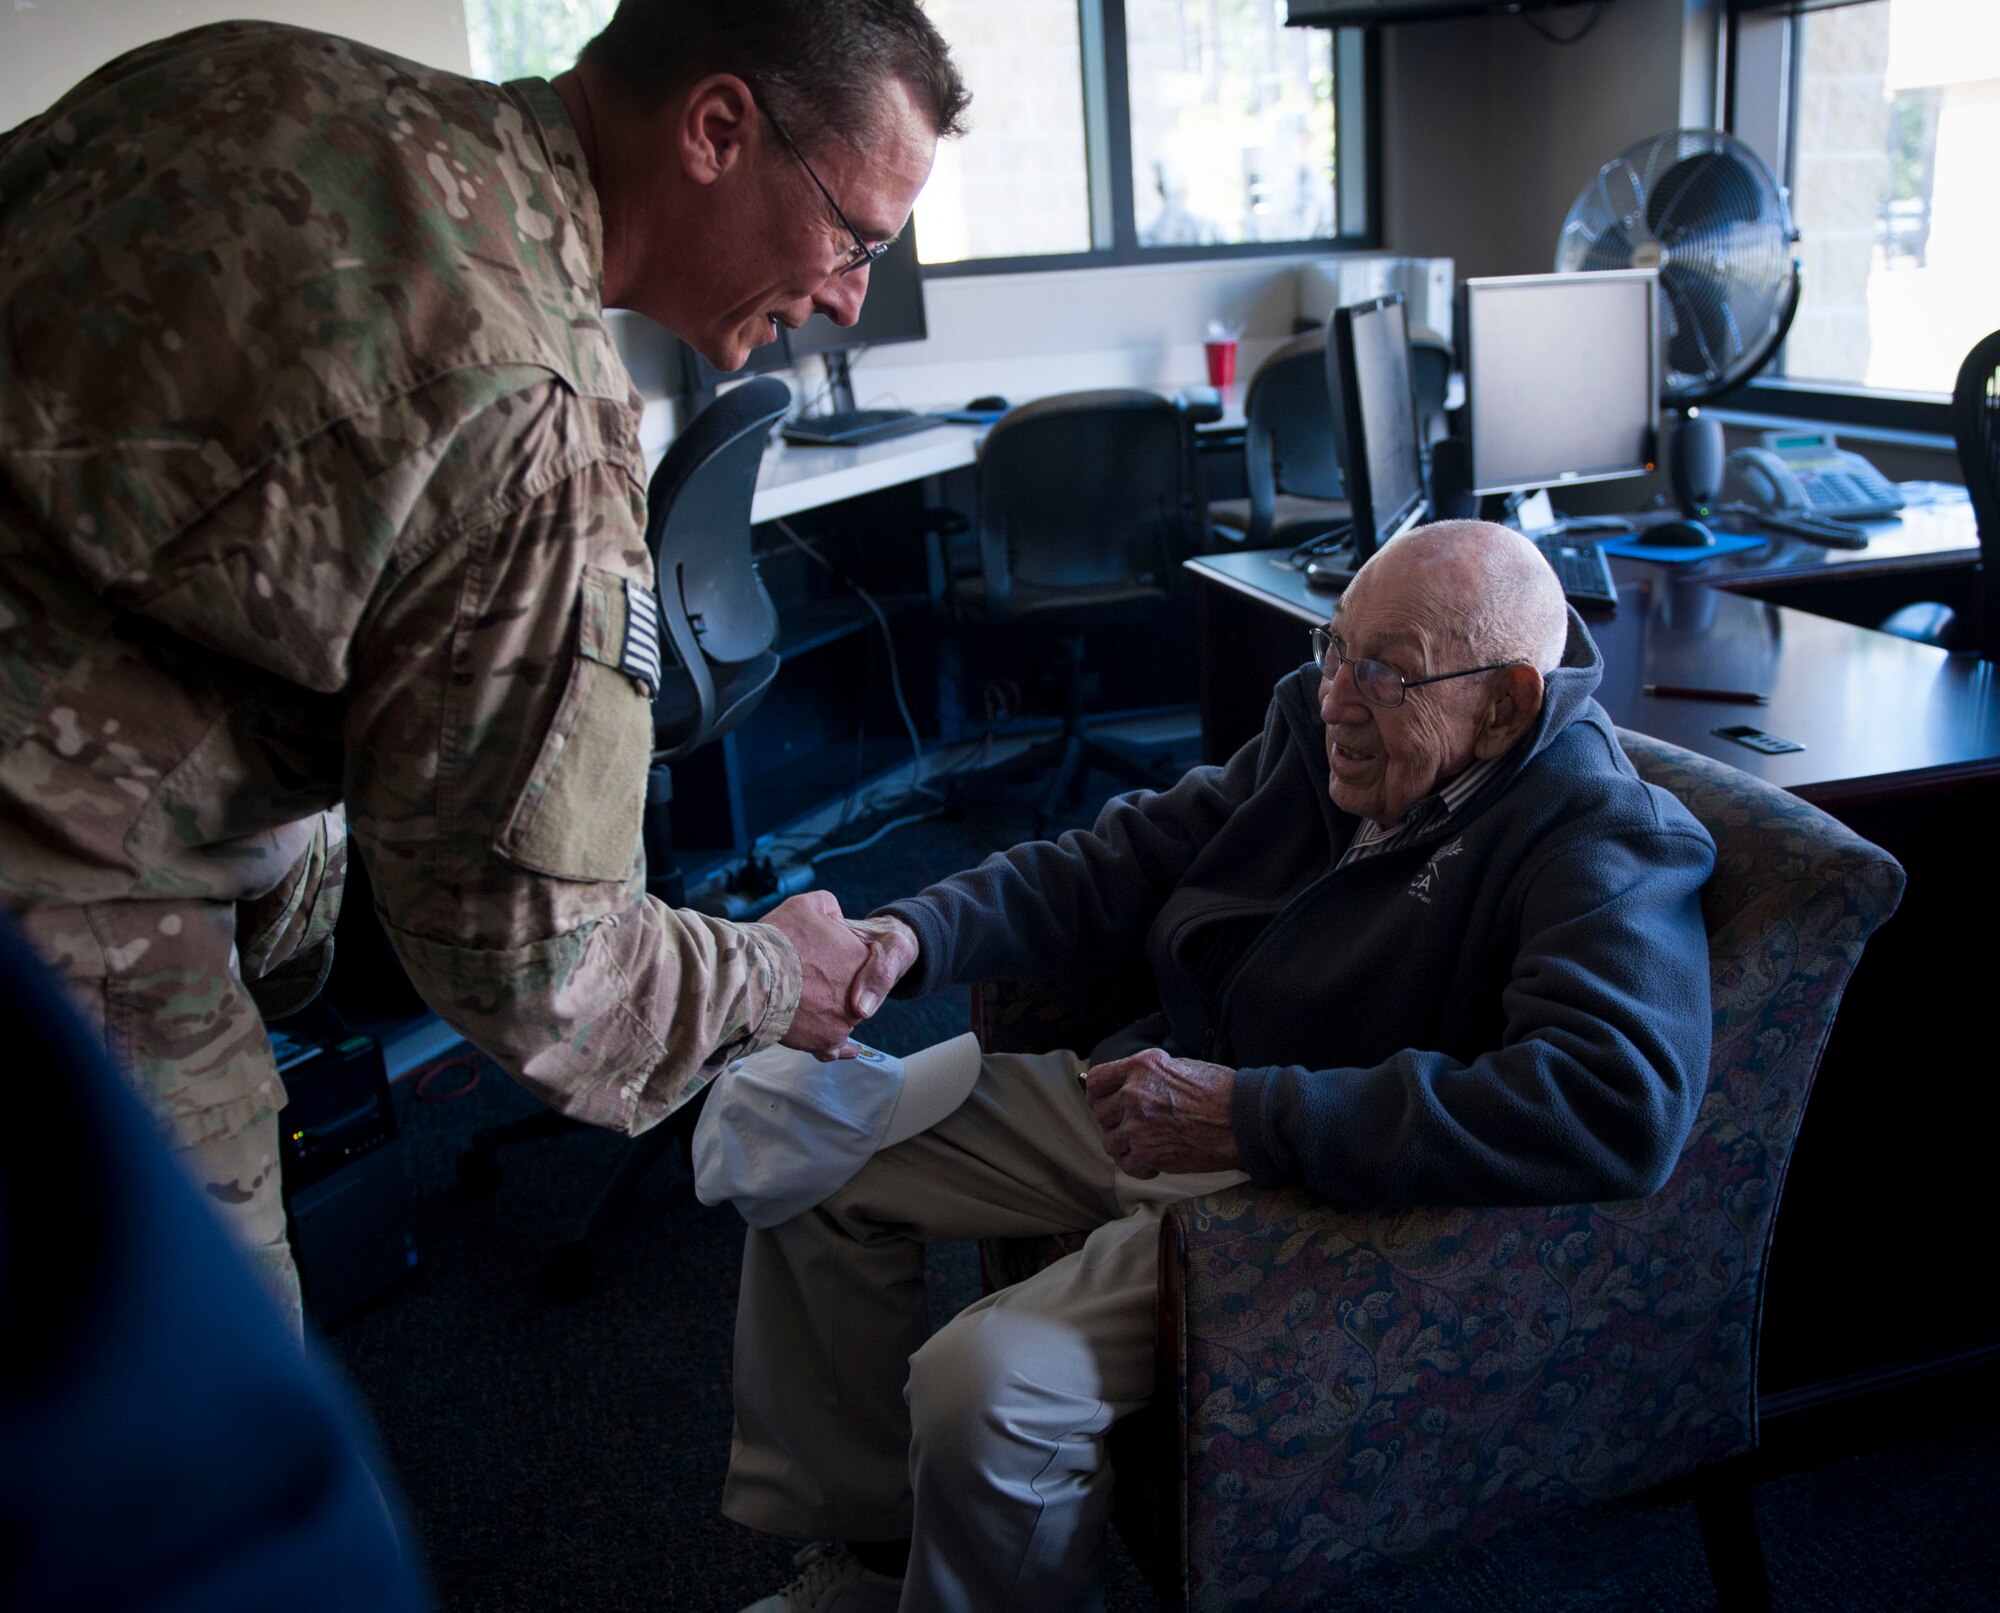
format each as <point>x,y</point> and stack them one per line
<point>570,1456</point>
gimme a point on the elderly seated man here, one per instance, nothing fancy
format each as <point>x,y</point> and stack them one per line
<point>1428,939</point>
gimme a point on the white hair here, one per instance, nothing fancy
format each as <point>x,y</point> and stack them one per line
<point>1505,603</point>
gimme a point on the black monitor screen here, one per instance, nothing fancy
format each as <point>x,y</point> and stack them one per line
<point>892,312</point>
<point>1376,413</point>
<point>1561,377</point>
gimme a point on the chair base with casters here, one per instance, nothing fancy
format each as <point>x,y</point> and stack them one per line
<point>1342,1388</point>
<point>1067,757</point>
<point>1086,506</point>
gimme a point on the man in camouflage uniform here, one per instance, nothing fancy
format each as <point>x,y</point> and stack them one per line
<point>319,483</point>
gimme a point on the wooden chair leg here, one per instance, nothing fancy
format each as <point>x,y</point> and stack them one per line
<point>1728,1517</point>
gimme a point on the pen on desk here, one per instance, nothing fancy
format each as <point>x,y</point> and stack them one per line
<point>1681,691</point>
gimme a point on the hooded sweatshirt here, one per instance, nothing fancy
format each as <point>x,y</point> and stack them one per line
<point>1510,1006</point>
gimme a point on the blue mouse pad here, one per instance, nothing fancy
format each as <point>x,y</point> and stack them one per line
<point>1636,548</point>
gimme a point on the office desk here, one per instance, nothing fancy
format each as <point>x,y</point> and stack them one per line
<point>795,478</point>
<point>1877,715</point>
<point>1879,1261</point>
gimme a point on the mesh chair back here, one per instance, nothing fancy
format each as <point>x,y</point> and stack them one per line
<point>1085,490</point>
<point>1975,424</point>
<point>716,614</point>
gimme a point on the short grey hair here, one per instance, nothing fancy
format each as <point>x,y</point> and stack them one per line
<point>818,66</point>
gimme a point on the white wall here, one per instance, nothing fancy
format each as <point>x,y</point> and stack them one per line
<point>1025,335</point>
<point>47,45</point>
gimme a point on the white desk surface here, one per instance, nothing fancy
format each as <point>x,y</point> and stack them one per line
<point>793,478</point>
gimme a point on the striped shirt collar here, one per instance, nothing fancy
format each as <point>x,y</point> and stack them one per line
<point>1372,838</point>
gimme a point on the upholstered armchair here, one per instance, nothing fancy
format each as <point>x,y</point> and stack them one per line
<point>1338,1388</point>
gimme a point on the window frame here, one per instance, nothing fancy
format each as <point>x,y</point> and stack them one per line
<point>1107,124</point>
<point>1760,92</point>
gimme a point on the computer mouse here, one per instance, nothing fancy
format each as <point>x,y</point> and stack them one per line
<point>1678,535</point>
<point>987,403</point>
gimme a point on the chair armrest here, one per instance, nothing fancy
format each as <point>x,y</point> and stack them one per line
<point>1368,1385</point>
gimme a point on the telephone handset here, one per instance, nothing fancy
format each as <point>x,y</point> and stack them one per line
<point>1807,473</point>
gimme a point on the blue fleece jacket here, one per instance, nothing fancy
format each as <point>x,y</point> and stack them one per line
<point>1511,1008</point>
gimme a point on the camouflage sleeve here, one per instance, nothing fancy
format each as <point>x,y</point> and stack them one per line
<point>284,938</point>
<point>495,781</point>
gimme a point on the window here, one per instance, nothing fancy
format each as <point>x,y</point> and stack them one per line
<point>1103,131</point>
<point>1019,184</point>
<point>531,38</point>
<point>1120,131</point>
<point>1882,117</point>
<point>1232,124</point>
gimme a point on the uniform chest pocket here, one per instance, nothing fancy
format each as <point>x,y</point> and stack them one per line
<point>578,816</point>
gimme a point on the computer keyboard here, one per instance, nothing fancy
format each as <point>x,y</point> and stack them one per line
<point>849,427</point>
<point>1582,569</point>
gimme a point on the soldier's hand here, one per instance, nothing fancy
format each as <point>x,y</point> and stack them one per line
<point>830,956</point>
<point>1160,1113</point>
<point>892,948</point>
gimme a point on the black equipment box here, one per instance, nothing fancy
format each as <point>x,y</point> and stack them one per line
<point>342,1162</point>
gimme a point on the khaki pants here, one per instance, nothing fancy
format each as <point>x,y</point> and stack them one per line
<point>985,1443</point>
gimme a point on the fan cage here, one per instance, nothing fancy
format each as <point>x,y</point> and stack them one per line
<point>1706,211</point>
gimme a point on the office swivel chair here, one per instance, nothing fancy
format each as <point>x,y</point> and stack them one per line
<point>1341,1388</point>
<point>717,624</point>
<point>1430,380</point>
<point>1291,454</point>
<point>1087,503</point>
<point>1975,428</point>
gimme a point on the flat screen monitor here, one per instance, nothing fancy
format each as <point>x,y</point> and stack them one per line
<point>699,378</point>
<point>892,312</point>
<point>1562,378</point>
<point>1375,412</point>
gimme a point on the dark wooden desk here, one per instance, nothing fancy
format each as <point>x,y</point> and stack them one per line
<point>1878,1265</point>
<point>1877,715</point>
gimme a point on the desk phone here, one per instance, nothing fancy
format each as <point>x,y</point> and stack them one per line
<point>1808,473</point>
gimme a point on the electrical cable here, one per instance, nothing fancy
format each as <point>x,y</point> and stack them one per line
<point>917,787</point>
<point>862,845</point>
<point>459,1061</point>
<point>1554,38</point>
<point>1321,543</point>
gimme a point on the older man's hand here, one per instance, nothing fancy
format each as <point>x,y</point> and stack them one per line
<point>1163,1114</point>
<point>892,948</point>
<point>831,956</point>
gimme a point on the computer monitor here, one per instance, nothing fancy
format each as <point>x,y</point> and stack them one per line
<point>892,312</point>
<point>1375,413</point>
<point>1562,378</point>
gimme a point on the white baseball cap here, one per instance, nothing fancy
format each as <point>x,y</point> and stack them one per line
<point>782,1130</point>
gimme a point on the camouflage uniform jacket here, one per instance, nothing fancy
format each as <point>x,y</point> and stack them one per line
<point>319,482</point>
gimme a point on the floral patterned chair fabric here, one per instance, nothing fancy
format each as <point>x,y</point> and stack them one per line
<point>1341,1387</point>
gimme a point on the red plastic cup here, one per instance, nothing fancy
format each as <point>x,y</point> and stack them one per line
<point>1221,363</point>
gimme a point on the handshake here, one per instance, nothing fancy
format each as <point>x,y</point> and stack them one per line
<point>846,966</point>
